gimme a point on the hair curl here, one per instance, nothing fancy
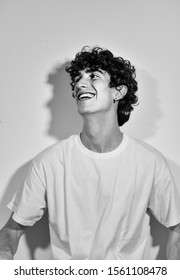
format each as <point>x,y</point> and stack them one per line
<point>121,73</point>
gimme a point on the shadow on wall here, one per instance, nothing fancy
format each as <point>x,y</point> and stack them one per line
<point>64,117</point>
<point>66,121</point>
<point>144,119</point>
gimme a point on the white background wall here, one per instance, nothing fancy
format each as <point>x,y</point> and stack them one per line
<point>37,37</point>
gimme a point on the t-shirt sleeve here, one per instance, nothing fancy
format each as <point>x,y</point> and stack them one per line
<point>164,202</point>
<point>29,202</point>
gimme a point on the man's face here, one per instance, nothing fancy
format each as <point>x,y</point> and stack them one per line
<point>92,91</point>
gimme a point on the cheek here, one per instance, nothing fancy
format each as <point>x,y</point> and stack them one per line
<point>106,100</point>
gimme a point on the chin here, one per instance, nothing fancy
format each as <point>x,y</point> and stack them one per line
<point>85,112</point>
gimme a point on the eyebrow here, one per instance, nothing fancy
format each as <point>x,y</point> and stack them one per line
<point>89,71</point>
<point>97,70</point>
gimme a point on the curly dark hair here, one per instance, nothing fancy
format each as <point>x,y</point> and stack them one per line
<point>121,73</point>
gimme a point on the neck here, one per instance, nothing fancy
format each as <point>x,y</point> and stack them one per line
<point>101,135</point>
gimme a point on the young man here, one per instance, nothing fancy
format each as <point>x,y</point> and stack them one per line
<point>99,185</point>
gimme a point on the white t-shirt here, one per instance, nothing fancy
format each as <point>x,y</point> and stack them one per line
<point>97,202</point>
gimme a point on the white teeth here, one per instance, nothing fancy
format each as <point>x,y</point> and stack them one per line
<point>85,95</point>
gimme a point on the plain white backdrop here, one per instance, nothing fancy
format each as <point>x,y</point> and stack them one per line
<point>37,39</point>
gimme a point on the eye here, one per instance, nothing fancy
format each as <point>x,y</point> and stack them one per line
<point>77,78</point>
<point>94,76</point>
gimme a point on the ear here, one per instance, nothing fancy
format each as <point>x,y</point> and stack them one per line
<point>119,92</point>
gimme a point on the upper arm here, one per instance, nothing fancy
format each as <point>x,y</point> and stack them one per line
<point>175,228</point>
<point>175,231</point>
<point>173,246</point>
<point>15,228</point>
<point>11,233</point>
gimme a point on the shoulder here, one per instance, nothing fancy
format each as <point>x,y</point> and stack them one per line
<point>145,151</point>
<point>153,163</point>
<point>54,152</point>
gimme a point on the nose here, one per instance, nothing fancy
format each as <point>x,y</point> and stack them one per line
<point>82,83</point>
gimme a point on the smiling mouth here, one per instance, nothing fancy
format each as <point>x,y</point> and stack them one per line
<point>85,96</point>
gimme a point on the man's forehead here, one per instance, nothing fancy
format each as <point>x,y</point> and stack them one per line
<point>90,70</point>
